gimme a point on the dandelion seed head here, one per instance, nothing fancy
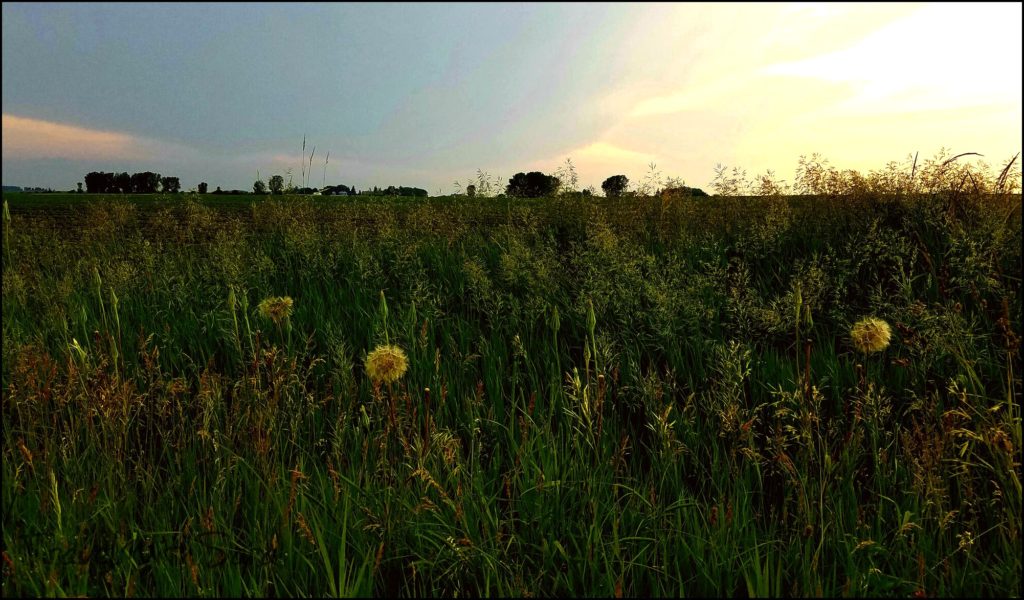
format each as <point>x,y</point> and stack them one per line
<point>276,309</point>
<point>386,364</point>
<point>871,335</point>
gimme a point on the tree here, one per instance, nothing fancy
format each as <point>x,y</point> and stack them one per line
<point>202,187</point>
<point>684,191</point>
<point>615,185</point>
<point>79,187</point>
<point>276,184</point>
<point>100,183</point>
<point>532,185</point>
<point>412,191</point>
<point>92,182</point>
<point>258,187</point>
<point>471,190</point>
<point>335,190</point>
<point>123,183</point>
<point>145,183</point>
<point>170,185</point>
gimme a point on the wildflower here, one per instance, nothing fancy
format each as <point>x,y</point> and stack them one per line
<point>871,335</point>
<point>276,309</point>
<point>386,364</point>
<point>966,540</point>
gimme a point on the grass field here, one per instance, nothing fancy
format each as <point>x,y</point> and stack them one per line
<point>634,396</point>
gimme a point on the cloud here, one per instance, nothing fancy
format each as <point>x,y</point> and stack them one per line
<point>941,57</point>
<point>25,138</point>
<point>862,84</point>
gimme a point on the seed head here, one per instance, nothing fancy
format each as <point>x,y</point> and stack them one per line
<point>276,309</point>
<point>871,335</point>
<point>386,364</point>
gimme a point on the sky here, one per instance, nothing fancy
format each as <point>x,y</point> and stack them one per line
<point>425,95</point>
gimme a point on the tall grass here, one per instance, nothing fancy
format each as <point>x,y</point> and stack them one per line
<point>604,396</point>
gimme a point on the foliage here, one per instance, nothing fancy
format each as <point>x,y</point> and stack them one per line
<point>99,183</point>
<point>485,185</point>
<point>532,185</point>
<point>395,191</point>
<point>337,190</point>
<point>615,185</point>
<point>684,192</point>
<point>115,183</point>
<point>567,177</point>
<point>123,183</point>
<point>276,185</point>
<point>734,183</point>
<point>660,397</point>
<point>146,182</point>
<point>170,185</point>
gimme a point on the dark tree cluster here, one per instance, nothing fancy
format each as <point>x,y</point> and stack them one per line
<point>686,192</point>
<point>395,191</point>
<point>220,192</point>
<point>539,185</point>
<point>137,183</point>
<point>34,190</point>
<point>171,185</point>
<point>615,185</point>
<point>532,185</point>
<point>338,190</point>
<point>143,183</point>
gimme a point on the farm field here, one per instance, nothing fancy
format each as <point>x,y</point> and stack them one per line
<point>569,396</point>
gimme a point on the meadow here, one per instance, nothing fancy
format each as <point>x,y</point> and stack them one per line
<point>603,396</point>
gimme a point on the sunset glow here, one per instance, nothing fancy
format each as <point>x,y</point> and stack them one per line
<point>35,138</point>
<point>685,86</point>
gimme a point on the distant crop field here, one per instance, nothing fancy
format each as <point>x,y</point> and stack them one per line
<point>761,395</point>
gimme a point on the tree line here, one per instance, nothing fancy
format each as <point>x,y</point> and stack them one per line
<point>538,185</point>
<point>522,185</point>
<point>276,186</point>
<point>136,183</point>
